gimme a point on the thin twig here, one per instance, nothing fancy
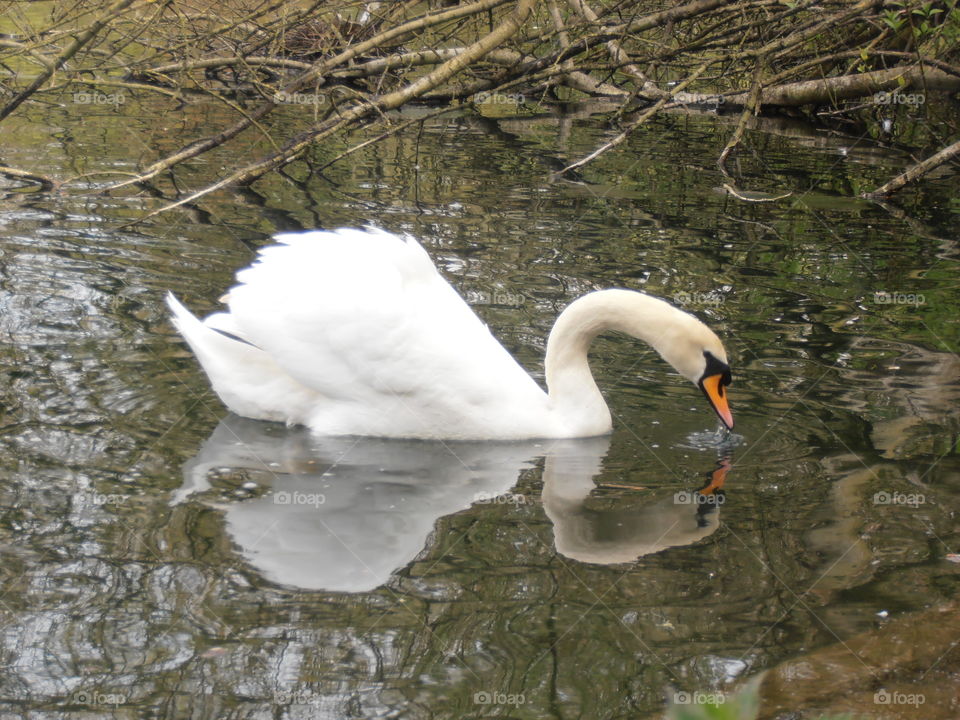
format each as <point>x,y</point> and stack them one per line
<point>646,115</point>
<point>733,191</point>
<point>751,108</point>
<point>916,172</point>
<point>393,130</point>
<point>47,183</point>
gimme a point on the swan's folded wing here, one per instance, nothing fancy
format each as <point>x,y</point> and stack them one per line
<point>364,319</point>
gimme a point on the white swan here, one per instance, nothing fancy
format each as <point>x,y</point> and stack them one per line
<point>354,332</point>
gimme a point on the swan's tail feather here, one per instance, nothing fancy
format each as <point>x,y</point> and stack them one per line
<point>184,321</point>
<point>247,379</point>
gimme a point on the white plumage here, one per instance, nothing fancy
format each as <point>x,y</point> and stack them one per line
<point>354,332</point>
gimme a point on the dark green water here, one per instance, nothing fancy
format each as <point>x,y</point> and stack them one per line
<point>148,569</point>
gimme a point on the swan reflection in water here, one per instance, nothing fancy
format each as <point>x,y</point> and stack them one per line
<point>345,513</point>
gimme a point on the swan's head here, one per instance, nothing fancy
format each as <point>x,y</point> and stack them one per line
<point>697,353</point>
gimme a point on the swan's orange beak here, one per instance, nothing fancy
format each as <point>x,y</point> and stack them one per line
<point>715,390</point>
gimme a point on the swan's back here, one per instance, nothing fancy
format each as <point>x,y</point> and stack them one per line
<point>354,332</point>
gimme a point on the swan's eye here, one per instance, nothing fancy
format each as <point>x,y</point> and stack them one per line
<point>716,367</point>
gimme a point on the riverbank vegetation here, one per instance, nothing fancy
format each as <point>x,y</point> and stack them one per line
<point>884,70</point>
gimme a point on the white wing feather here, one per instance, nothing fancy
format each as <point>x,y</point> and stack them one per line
<point>356,333</point>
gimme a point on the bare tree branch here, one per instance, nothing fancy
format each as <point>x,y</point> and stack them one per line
<point>315,74</point>
<point>477,50</point>
<point>109,14</point>
<point>916,172</point>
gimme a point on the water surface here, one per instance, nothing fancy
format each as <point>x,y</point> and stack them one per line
<point>149,570</point>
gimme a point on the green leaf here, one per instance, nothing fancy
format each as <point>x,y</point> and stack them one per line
<point>744,705</point>
<point>892,19</point>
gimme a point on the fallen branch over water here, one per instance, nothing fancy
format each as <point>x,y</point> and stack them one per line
<point>828,91</point>
<point>357,61</point>
<point>916,172</point>
<point>298,145</point>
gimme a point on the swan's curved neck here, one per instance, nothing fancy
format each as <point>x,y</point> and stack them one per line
<point>573,393</point>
